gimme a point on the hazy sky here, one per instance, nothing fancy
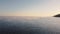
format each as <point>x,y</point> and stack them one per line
<point>29,7</point>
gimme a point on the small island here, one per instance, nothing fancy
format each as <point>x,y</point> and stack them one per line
<point>58,15</point>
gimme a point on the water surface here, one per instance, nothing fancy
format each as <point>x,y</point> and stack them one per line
<point>29,25</point>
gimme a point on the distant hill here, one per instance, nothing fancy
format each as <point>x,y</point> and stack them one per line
<point>58,15</point>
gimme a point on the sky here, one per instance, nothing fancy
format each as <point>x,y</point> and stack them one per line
<point>42,8</point>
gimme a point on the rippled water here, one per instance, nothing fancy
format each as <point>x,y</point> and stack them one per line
<point>29,25</point>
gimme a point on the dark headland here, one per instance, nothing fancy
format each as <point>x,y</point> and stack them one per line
<point>58,15</point>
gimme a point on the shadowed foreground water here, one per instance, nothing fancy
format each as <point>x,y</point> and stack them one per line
<point>29,25</point>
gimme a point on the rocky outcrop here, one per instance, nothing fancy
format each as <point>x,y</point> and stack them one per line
<point>58,15</point>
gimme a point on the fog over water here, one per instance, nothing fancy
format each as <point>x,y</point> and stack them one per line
<point>29,25</point>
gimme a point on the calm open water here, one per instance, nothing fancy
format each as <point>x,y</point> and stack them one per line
<point>29,25</point>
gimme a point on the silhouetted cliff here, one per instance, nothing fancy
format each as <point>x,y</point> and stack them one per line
<point>58,15</point>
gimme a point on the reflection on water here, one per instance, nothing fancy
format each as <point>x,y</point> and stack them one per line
<point>29,25</point>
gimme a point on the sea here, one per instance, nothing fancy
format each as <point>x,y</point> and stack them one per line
<point>29,25</point>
